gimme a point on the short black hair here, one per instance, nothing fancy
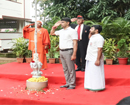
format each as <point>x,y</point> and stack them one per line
<point>124,101</point>
<point>66,19</point>
<point>98,27</point>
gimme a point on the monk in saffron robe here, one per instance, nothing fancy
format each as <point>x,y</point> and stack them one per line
<point>43,41</point>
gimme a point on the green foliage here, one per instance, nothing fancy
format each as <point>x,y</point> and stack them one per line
<point>20,46</point>
<point>43,4</point>
<point>28,53</point>
<point>128,43</point>
<point>109,48</point>
<point>14,30</point>
<point>127,15</point>
<point>118,28</point>
<point>52,52</point>
<point>123,48</point>
<point>114,8</point>
<point>91,23</point>
<point>104,23</point>
<point>101,9</point>
<point>68,8</point>
<point>48,24</point>
<point>7,30</point>
<point>89,9</point>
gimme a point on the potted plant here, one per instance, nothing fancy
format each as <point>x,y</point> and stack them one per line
<point>117,28</point>
<point>19,48</point>
<point>28,56</point>
<point>109,50</point>
<point>122,53</point>
<point>52,52</point>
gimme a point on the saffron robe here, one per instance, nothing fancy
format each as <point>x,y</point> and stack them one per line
<point>42,40</point>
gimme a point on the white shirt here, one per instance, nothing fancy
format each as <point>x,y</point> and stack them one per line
<point>96,41</point>
<point>66,37</point>
<point>81,30</point>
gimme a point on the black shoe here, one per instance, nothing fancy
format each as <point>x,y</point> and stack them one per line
<point>64,86</point>
<point>82,69</point>
<point>78,69</point>
<point>70,88</point>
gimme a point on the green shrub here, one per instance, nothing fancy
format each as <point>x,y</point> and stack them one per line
<point>28,53</point>
<point>53,51</point>
<point>123,48</point>
<point>20,45</point>
<point>110,49</point>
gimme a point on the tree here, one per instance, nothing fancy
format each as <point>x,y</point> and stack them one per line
<point>65,8</point>
<point>89,9</point>
<point>114,8</point>
<point>118,28</point>
<point>43,4</point>
<point>49,23</point>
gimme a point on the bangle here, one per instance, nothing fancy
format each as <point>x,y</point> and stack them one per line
<point>54,27</point>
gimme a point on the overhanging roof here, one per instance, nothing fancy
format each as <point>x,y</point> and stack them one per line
<point>14,18</point>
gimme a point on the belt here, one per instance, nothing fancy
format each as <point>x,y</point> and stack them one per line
<point>66,49</point>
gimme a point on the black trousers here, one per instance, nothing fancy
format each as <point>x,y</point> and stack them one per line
<point>80,56</point>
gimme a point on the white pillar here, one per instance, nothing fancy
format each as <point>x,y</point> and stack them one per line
<point>20,25</point>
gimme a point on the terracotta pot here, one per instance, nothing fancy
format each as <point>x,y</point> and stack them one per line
<point>109,61</point>
<point>20,60</point>
<point>123,61</point>
<point>28,60</point>
<point>51,60</point>
<point>60,60</point>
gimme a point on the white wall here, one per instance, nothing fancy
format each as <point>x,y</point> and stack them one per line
<point>14,9</point>
<point>10,35</point>
<point>6,40</point>
<point>27,9</point>
<point>5,44</point>
<point>9,8</point>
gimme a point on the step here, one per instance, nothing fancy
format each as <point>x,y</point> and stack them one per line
<point>7,60</point>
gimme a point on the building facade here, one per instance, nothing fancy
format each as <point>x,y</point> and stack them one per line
<point>13,16</point>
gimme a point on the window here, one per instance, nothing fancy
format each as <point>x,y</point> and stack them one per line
<point>8,25</point>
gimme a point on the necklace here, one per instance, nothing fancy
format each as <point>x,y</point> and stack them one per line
<point>39,30</point>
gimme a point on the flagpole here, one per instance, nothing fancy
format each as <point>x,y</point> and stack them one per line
<point>35,35</point>
<point>36,65</point>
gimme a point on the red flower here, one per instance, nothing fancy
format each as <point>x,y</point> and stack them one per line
<point>33,61</point>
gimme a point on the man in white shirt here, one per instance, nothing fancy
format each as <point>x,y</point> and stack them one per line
<point>68,47</point>
<point>94,71</point>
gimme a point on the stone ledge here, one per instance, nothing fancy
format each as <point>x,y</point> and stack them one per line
<point>7,60</point>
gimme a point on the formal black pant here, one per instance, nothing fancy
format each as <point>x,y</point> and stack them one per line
<point>80,56</point>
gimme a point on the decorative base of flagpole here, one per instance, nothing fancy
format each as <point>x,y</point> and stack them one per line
<point>36,66</point>
<point>36,86</point>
